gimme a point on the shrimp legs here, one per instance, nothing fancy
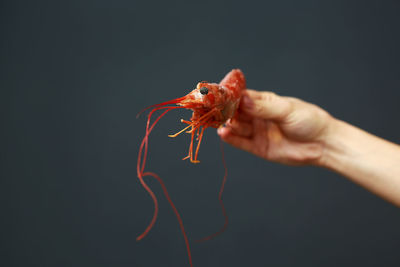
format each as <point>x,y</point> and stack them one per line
<point>201,123</point>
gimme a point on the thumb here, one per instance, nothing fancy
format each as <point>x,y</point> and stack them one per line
<point>266,105</point>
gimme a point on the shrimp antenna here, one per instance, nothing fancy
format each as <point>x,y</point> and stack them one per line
<point>140,172</point>
<point>141,165</point>
<point>173,101</point>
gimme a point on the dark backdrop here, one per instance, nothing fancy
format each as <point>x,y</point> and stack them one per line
<point>75,73</point>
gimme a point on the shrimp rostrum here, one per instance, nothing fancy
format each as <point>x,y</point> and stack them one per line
<point>212,104</point>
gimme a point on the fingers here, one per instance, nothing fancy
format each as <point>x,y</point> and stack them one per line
<point>235,140</point>
<point>242,128</point>
<point>243,116</point>
<point>266,105</point>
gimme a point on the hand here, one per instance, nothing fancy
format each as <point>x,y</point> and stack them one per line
<point>277,128</point>
<point>291,131</point>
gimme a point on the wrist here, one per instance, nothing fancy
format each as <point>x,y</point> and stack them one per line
<point>363,158</point>
<point>333,143</point>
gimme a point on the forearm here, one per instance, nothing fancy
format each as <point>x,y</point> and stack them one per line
<point>365,159</point>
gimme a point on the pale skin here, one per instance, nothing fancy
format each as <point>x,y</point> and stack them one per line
<point>290,131</point>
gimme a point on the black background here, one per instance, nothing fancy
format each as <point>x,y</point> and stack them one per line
<point>75,73</point>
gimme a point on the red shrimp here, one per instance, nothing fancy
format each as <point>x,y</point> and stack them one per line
<point>212,105</point>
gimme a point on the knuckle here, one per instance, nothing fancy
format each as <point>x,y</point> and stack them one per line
<point>259,107</point>
<point>268,96</point>
<point>265,99</point>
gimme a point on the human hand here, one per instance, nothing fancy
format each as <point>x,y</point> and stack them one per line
<point>281,129</point>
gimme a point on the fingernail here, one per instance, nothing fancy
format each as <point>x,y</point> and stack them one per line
<point>247,103</point>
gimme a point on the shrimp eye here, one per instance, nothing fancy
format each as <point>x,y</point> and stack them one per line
<point>203,90</point>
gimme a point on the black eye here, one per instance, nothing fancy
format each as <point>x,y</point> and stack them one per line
<point>203,90</point>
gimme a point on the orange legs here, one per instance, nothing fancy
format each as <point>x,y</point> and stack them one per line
<point>199,138</point>
<point>198,143</point>
<point>200,123</point>
<point>178,133</point>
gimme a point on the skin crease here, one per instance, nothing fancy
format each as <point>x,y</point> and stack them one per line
<point>291,131</point>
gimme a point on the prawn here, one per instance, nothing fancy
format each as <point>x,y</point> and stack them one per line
<point>212,105</point>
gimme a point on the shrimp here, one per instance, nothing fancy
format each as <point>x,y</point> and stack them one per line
<point>212,105</point>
